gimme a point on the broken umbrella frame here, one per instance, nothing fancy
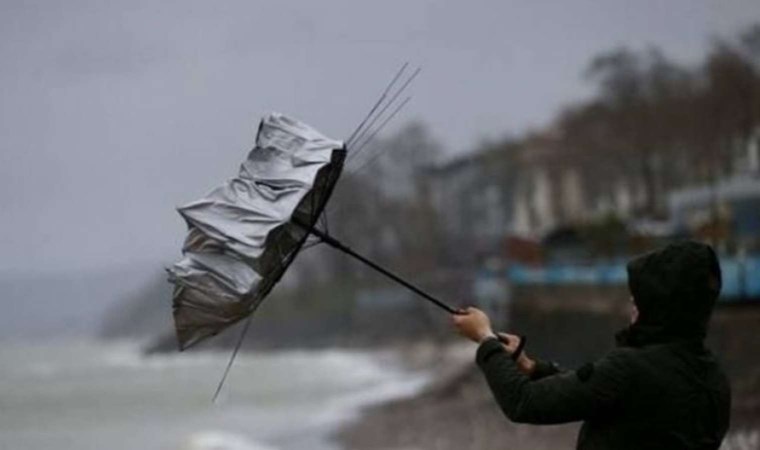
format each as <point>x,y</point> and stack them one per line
<point>292,234</point>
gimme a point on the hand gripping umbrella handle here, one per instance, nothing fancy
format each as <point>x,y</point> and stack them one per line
<point>331,241</point>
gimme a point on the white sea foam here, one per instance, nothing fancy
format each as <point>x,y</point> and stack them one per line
<point>742,440</point>
<point>220,440</point>
<point>92,395</point>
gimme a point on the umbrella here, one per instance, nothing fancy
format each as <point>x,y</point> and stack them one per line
<point>244,234</point>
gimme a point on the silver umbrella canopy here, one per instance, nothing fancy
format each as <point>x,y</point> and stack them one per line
<point>245,233</point>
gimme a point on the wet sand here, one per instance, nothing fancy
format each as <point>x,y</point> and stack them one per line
<point>456,411</point>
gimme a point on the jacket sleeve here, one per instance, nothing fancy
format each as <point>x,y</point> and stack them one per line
<point>544,369</point>
<point>564,397</point>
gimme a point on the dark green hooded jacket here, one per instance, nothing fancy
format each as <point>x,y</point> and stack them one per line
<point>659,389</point>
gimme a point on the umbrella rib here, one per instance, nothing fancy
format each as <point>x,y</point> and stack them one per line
<point>374,157</point>
<point>313,206</point>
<point>281,255</point>
<point>232,358</point>
<point>374,108</point>
<point>311,244</point>
<point>382,111</point>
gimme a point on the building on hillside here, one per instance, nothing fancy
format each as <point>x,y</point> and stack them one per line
<point>735,202</point>
<point>472,197</point>
<point>526,190</point>
<point>531,189</point>
<point>556,189</point>
<point>548,192</point>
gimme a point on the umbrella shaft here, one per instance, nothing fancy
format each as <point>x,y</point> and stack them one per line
<point>326,238</point>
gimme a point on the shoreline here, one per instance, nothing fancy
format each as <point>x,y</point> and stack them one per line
<point>454,411</point>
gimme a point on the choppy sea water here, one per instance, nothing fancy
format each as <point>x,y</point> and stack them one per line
<point>87,395</point>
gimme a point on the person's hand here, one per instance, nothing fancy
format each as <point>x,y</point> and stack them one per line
<point>510,343</point>
<point>473,324</point>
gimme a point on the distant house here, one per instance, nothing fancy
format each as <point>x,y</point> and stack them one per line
<point>555,189</point>
<point>735,201</point>
<point>526,190</point>
<point>549,192</point>
<point>534,188</point>
<point>473,198</point>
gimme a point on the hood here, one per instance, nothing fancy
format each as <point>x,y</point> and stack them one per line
<point>675,289</point>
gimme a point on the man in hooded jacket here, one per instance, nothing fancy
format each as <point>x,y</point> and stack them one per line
<point>659,389</point>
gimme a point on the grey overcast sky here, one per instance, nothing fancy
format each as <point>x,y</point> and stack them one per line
<point>112,113</point>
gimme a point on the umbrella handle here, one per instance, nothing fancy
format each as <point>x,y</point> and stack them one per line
<point>331,241</point>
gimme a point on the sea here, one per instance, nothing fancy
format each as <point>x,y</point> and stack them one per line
<point>80,395</point>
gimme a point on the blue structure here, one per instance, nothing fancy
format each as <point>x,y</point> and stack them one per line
<point>741,278</point>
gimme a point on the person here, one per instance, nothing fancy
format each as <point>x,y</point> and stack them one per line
<point>660,388</point>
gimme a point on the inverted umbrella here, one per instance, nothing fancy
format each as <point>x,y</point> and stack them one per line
<point>244,235</point>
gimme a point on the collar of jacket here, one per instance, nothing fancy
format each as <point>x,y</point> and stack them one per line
<point>638,335</point>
